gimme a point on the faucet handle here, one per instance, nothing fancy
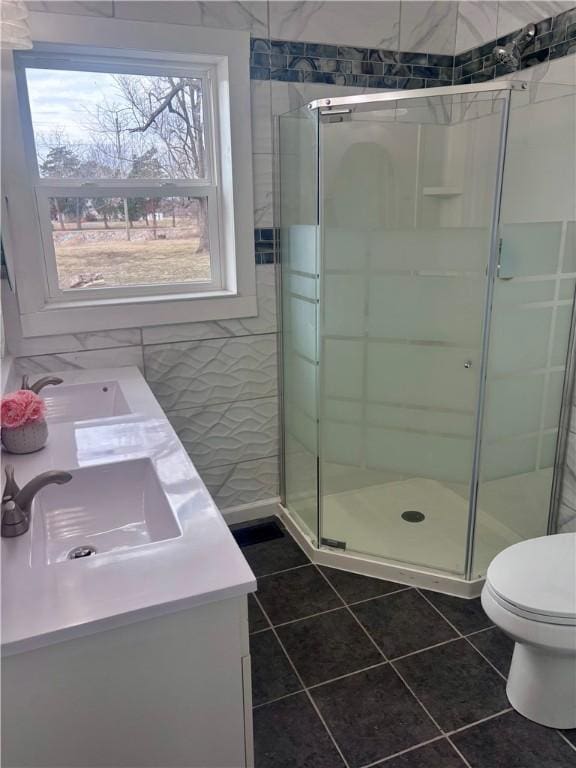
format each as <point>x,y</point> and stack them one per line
<point>41,383</point>
<point>11,489</point>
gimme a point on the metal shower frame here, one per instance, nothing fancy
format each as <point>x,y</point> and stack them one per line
<point>363,102</point>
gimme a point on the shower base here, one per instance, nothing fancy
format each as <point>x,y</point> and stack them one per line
<point>429,553</point>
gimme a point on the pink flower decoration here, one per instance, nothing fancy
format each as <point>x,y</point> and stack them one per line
<point>21,407</point>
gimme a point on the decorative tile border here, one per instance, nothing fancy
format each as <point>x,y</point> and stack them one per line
<point>264,245</point>
<point>555,37</point>
<point>297,62</point>
<point>302,62</point>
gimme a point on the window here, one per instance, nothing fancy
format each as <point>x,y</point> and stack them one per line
<point>125,175</point>
<point>132,166</point>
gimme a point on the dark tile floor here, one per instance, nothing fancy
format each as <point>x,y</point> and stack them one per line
<point>349,671</point>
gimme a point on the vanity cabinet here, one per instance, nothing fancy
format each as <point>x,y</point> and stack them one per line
<point>172,690</point>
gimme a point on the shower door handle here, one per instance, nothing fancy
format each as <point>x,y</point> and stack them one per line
<point>468,364</point>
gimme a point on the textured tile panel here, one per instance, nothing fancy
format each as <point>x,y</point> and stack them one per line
<point>96,358</point>
<point>199,373</point>
<point>76,342</point>
<point>229,433</point>
<point>243,483</point>
<point>264,322</point>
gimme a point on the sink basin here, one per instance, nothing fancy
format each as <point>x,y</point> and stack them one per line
<point>80,402</point>
<point>103,508</point>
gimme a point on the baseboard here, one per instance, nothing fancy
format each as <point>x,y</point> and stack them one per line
<point>254,511</point>
<point>367,566</point>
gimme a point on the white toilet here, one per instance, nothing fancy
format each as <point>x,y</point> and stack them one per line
<point>530,593</point>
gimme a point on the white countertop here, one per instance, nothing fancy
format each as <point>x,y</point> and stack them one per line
<point>60,601</point>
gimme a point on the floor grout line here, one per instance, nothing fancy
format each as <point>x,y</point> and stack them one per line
<point>311,616</point>
<point>458,752</point>
<point>278,698</point>
<point>436,723</point>
<point>402,588</point>
<point>284,570</point>
<point>362,627</point>
<point>439,612</point>
<point>357,620</point>
<point>479,631</point>
<point>479,722</point>
<point>348,674</point>
<point>465,637</point>
<point>428,648</point>
<point>403,752</point>
<point>305,690</point>
<point>486,659</point>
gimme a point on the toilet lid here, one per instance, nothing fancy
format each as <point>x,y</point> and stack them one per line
<point>538,575</point>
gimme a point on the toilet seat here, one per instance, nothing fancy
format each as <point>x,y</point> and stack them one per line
<point>563,621</point>
<point>536,579</point>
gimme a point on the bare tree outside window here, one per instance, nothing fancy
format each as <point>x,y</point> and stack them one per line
<point>124,127</point>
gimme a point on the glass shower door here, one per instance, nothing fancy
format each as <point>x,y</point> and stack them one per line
<point>406,207</point>
<point>531,319</point>
<point>298,160</point>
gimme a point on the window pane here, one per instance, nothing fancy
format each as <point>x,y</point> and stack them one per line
<point>113,126</point>
<point>105,242</point>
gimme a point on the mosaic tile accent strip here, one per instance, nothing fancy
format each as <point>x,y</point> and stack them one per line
<point>298,62</point>
<point>302,62</point>
<point>264,245</point>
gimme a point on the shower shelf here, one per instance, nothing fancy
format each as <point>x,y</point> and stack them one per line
<point>441,191</point>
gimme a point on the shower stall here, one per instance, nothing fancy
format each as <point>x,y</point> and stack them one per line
<point>428,268</point>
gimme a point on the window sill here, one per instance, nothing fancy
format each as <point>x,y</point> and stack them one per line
<point>109,314</point>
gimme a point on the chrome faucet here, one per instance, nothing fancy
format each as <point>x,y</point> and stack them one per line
<point>17,503</point>
<point>41,383</point>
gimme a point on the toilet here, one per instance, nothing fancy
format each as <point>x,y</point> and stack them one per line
<point>530,593</point>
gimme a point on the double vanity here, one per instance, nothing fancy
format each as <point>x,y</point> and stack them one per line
<point>124,606</point>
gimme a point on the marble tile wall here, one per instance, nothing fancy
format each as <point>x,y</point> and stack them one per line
<point>480,21</point>
<point>555,38</point>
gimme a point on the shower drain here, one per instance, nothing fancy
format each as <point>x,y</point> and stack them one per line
<point>84,551</point>
<point>412,516</point>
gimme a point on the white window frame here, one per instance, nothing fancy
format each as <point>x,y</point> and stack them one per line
<point>221,59</point>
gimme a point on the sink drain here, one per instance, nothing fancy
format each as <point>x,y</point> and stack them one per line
<point>411,516</point>
<point>78,552</point>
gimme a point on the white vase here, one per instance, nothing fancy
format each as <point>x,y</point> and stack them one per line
<point>25,439</point>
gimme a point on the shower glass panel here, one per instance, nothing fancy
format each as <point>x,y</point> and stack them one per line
<point>298,160</point>
<point>530,324</point>
<point>407,214</point>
